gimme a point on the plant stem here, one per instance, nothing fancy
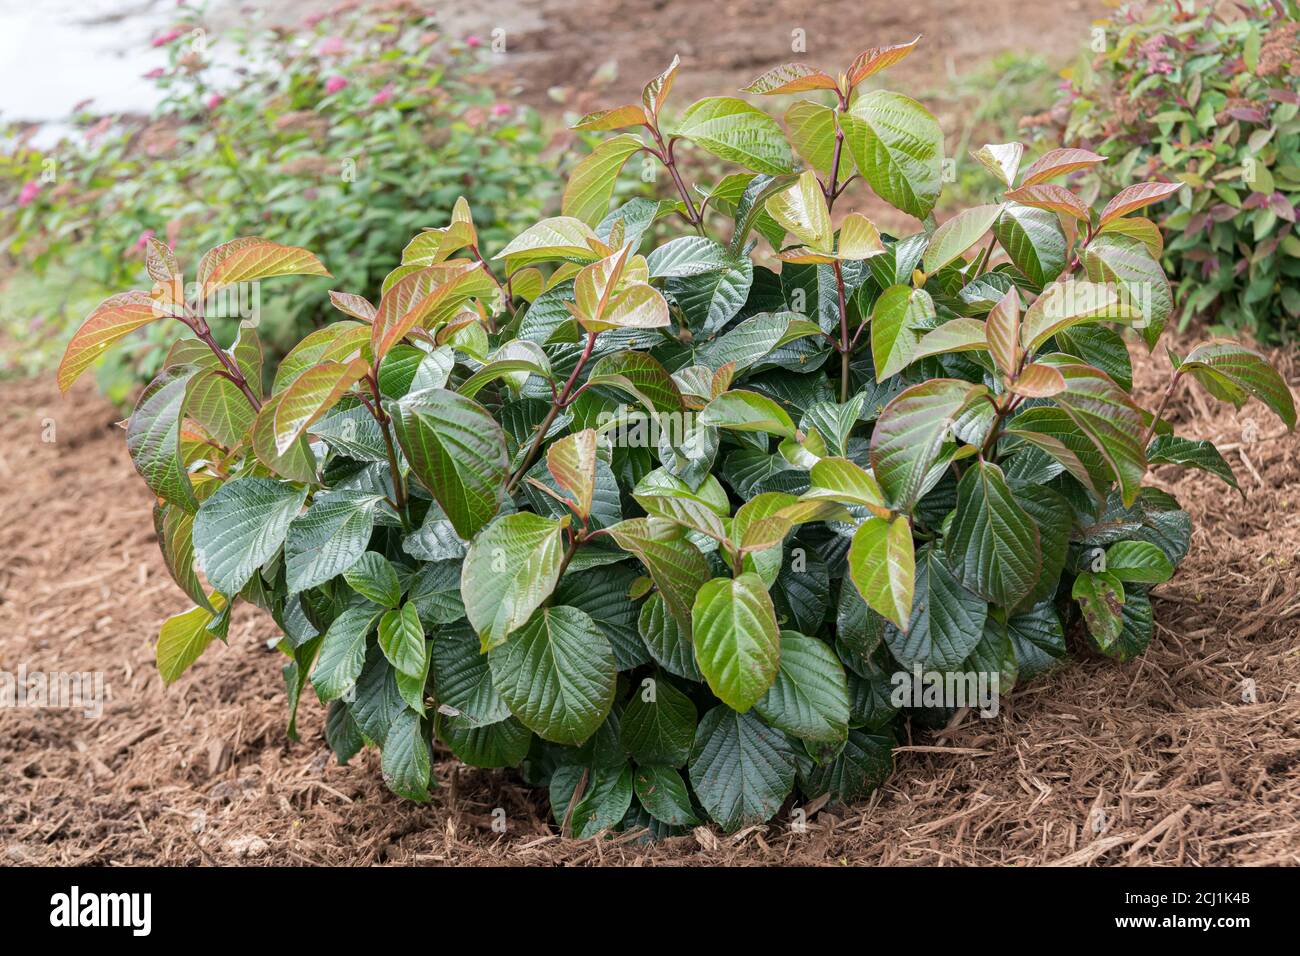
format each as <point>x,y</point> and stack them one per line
<point>845,349</point>
<point>1155,419</point>
<point>831,189</point>
<point>564,398</point>
<point>399,483</point>
<point>199,326</point>
<point>665,155</point>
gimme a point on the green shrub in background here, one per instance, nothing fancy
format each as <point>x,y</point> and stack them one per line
<point>658,524</point>
<point>1207,95</point>
<point>349,136</point>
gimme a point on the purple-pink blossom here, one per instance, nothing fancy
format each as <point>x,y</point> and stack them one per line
<point>501,109</point>
<point>167,37</point>
<point>383,96</point>
<point>29,192</point>
<point>331,46</point>
<point>143,241</point>
<point>334,84</point>
<point>473,40</point>
<point>155,73</point>
<point>215,100</point>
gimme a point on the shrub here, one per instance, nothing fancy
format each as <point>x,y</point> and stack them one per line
<point>1206,94</point>
<point>349,135</point>
<point>662,530</point>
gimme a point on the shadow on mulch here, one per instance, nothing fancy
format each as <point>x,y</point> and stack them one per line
<point>1162,760</point>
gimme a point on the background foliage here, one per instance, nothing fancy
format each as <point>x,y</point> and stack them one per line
<point>1208,95</point>
<point>349,135</point>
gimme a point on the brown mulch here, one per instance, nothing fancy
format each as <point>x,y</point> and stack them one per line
<point>1157,761</point>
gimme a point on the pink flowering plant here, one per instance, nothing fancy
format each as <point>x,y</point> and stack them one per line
<point>1206,95</point>
<point>355,131</point>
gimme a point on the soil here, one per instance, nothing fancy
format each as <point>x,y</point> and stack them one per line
<point>565,44</point>
<point>1163,760</point>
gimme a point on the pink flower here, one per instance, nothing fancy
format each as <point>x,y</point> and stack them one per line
<point>331,46</point>
<point>383,96</point>
<point>501,109</point>
<point>155,73</point>
<point>334,84</point>
<point>473,41</point>
<point>29,192</point>
<point>143,241</point>
<point>215,100</point>
<point>167,37</point>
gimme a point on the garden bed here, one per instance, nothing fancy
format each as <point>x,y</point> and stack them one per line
<point>1157,761</point>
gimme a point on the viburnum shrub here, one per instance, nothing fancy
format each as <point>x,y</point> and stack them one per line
<point>1207,94</point>
<point>660,526</point>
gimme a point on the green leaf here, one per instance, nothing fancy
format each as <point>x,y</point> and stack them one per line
<point>407,760</point>
<point>956,235</point>
<point>401,638</point>
<point>219,406</point>
<point>241,527</point>
<point>183,639</point>
<point>674,563</point>
<point>802,210</point>
<point>900,317</point>
<point>1038,639</point>
<point>663,793</point>
<point>1172,450</point>
<point>1104,412</point>
<point>810,697</point>
<point>174,529</point>
<point>509,570</point>
<point>746,411</point>
<point>373,577</point>
<point>947,619</point>
<point>1138,561</point>
<point>1247,370</point>
<point>1101,598</point>
<point>838,479</point>
<point>688,256</point>
<point>343,653</point>
<point>112,319</point>
<point>910,432</point>
<point>556,674</point>
<point>955,335</point>
<point>1033,241</point>
<point>741,769</point>
<point>572,463</point>
<point>737,644</point>
<point>992,544</point>
<point>560,237</point>
<point>658,725</point>
<point>458,451</point>
<point>591,184</point>
<point>604,803</point>
<point>328,538</point>
<point>153,437</point>
<point>733,130</point>
<point>1070,302</point>
<point>710,300</point>
<point>503,744</point>
<point>898,148</point>
<point>463,679</point>
<point>305,402</point>
<point>882,566</point>
<point>863,765</point>
<point>1128,264</point>
<point>669,644</point>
